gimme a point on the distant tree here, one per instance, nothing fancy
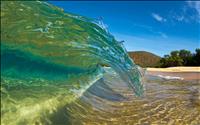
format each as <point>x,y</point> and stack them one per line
<point>182,57</point>
<point>177,61</point>
<point>196,57</point>
<point>198,51</point>
<point>171,61</point>
<point>174,53</point>
<point>166,56</point>
<point>163,62</point>
<point>186,56</point>
<point>184,53</point>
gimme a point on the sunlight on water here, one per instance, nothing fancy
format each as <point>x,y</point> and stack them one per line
<point>166,102</point>
<point>50,58</point>
<point>54,71</point>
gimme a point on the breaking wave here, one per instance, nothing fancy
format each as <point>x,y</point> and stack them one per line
<point>49,58</point>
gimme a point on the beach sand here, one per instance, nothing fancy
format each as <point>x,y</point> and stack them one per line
<point>176,69</point>
<point>186,73</point>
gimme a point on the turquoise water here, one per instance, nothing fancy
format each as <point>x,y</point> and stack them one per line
<point>49,59</point>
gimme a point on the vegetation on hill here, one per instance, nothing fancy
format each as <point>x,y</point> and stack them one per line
<point>175,58</point>
<point>145,59</point>
<point>181,58</point>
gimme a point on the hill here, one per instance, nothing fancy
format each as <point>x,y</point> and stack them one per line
<point>145,59</point>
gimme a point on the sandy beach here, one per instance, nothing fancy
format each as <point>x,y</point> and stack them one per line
<point>184,73</point>
<point>175,69</point>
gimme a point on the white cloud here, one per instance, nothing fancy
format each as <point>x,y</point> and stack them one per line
<point>181,18</point>
<point>184,14</point>
<point>195,5</point>
<point>158,17</point>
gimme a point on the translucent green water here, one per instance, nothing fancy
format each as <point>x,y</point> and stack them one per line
<point>50,58</point>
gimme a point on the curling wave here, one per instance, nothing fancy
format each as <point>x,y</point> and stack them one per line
<point>50,57</point>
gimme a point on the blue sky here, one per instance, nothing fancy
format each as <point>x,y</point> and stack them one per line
<point>157,27</point>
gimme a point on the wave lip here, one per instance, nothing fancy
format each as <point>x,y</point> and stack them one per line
<point>46,52</point>
<point>66,40</point>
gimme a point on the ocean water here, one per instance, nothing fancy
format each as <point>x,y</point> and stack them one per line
<point>49,58</point>
<point>111,102</point>
<point>59,68</point>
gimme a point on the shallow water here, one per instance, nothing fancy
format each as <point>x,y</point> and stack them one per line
<point>52,73</point>
<point>111,101</point>
<point>49,58</point>
<point>173,102</point>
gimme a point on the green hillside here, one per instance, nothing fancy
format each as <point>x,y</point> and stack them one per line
<point>145,59</point>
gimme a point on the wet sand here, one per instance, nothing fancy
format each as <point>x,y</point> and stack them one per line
<point>187,73</point>
<point>184,75</point>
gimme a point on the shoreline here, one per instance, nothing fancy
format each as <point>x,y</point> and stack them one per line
<point>181,73</point>
<point>175,69</point>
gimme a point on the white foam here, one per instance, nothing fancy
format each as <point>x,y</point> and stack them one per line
<point>170,77</point>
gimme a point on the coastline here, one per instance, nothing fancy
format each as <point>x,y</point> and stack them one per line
<point>174,69</point>
<point>183,73</point>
